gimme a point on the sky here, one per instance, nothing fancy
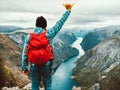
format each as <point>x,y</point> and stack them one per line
<point>85,14</point>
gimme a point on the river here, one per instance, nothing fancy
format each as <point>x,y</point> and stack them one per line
<point>62,77</point>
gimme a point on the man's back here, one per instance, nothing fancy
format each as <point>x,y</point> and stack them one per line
<point>39,71</point>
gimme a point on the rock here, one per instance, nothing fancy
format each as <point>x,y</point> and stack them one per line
<point>4,88</point>
<point>11,88</point>
<point>27,87</point>
<point>96,86</point>
<point>73,77</point>
<point>76,88</point>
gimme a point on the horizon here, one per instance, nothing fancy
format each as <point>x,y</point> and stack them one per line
<point>86,14</point>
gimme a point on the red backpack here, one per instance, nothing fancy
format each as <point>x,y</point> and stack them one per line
<point>39,51</point>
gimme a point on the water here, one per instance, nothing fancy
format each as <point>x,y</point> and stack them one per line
<point>62,77</point>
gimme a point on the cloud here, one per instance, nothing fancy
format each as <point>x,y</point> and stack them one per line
<point>85,19</point>
<point>85,13</point>
<point>28,5</point>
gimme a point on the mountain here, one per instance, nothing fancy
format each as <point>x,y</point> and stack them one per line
<point>18,37</point>
<point>62,49</point>
<point>98,68</point>
<point>8,29</point>
<point>80,33</point>
<point>66,36</point>
<point>61,45</point>
<point>96,36</point>
<point>10,62</point>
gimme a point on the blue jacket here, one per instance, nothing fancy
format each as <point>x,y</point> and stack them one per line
<point>51,33</point>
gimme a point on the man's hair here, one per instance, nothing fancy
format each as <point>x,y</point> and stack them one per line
<point>41,22</point>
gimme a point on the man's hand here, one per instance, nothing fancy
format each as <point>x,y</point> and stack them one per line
<point>68,6</point>
<point>26,72</point>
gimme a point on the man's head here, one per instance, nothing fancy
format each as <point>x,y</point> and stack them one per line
<point>41,22</point>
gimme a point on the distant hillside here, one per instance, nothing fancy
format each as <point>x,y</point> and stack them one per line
<point>99,66</point>
<point>95,37</point>
<point>10,62</point>
<point>18,37</point>
<point>8,29</point>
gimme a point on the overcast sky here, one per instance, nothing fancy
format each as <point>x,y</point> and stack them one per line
<point>85,13</point>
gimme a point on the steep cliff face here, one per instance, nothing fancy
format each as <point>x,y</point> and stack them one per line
<point>98,35</point>
<point>61,45</point>
<point>97,63</point>
<point>10,62</point>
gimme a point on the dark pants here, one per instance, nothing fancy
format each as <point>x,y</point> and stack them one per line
<point>41,72</point>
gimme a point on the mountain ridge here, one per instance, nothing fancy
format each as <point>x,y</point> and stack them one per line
<point>98,35</point>
<point>100,64</point>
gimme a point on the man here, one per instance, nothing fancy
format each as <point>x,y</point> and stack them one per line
<point>38,72</point>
